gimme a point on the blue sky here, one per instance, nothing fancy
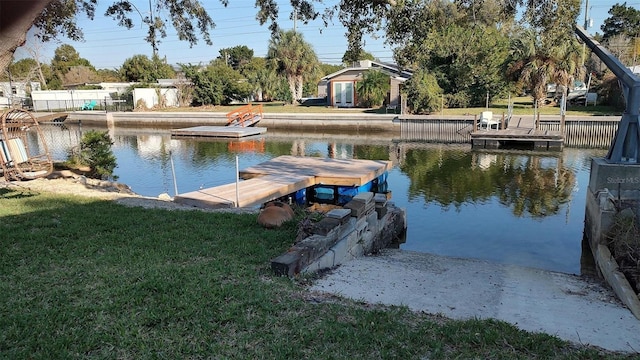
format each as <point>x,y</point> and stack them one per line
<point>107,45</point>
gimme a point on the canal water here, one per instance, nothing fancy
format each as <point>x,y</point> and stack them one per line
<point>506,206</point>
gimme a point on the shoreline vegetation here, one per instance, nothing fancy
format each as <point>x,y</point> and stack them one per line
<point>89,278</point>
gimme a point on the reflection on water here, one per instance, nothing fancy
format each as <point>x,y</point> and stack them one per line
<point>528,184</point>
<point>511,207</point>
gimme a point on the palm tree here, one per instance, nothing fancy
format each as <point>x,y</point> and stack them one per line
<point>265,83</point>
<point>373,88</point>
<point>536,61</point>
<point>291,56</point>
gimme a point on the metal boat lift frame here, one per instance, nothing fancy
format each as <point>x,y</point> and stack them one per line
<point>625,147</point>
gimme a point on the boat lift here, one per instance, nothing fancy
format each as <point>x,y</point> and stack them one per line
<point>625,147</point>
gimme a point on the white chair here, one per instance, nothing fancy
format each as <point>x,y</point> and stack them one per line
<point>487,121</point>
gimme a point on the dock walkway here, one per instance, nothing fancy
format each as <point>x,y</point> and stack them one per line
<point>282,176</point>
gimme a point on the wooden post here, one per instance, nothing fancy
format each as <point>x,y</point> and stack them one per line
<point>237,183</point>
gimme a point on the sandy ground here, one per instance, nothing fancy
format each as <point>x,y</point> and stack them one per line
<point>67,183</point>
<point>572,308</point>
<point>567,306</point>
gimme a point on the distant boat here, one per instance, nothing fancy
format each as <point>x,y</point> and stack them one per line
<point>579,90</point>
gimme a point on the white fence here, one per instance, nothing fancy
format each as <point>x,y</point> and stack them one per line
<point>152,97</point>
<point>62,100</point>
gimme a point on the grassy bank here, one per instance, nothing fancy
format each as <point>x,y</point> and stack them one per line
<point>521,106</point>
<point>85,278</point>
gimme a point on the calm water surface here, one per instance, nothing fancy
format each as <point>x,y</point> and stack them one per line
<point>511,207</point>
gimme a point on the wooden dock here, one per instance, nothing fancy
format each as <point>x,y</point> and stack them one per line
<point>282,176</point>
<point>519,132</point>
<point>235,132</point>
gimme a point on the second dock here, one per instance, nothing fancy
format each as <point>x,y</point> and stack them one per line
<point>284,175</point>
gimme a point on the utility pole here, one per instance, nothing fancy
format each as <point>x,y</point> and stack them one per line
<point>152,26</point>
<point>153,38</point>
<point>586,26</point>
<point>295,19</point>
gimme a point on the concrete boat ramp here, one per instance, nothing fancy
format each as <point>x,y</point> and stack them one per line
<point>282,176</point>
<point>569,307</point>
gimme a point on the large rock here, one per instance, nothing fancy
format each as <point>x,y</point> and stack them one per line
<point>275,214</point>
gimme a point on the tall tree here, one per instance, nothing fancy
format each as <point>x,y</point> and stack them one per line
<point>69,68</point>
<point>293,57</point>
<point>216,84</point>
<point>624,20</point>
<point>411,24</point>
<point>535,63</point>
<point>34,51</point>
<point>22,70</point>
<point>139,68</point>
<point>66,56</point>
<point>466,56</point>
<point>237,56</point>
<point>423,92</point>
<point>546,51</point>
<point>350,57</point>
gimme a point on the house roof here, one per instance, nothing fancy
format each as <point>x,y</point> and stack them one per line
<point>364,65</point>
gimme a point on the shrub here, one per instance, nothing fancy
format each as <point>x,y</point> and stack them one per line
<point>373,88</point>
<point>423,93</point>
<point>95,152</point>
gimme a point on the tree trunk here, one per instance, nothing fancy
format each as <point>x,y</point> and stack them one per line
<point>34,51</point>
<point>292,86</point>
<point>299,87</point>
<point>16,18</point>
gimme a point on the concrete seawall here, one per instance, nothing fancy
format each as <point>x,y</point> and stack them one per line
<point>318,121</point>
<point>350,120</point>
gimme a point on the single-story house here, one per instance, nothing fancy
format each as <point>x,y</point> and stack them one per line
<point>16,92</point>
<point>340,87</point>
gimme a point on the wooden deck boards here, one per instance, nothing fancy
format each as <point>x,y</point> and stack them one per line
<point>342,172</point>
<point>218,131</point>
<point>284,175</point>
<point>251,192</point>
<point>519,130</point>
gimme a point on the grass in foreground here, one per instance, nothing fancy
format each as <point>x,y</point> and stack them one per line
<point>82,278</point>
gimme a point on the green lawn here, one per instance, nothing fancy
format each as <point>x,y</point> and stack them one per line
<point>521,106</point>
<point>86,278</point>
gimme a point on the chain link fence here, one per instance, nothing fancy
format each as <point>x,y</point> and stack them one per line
<point>107,105</point>
<point>61,138</point>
